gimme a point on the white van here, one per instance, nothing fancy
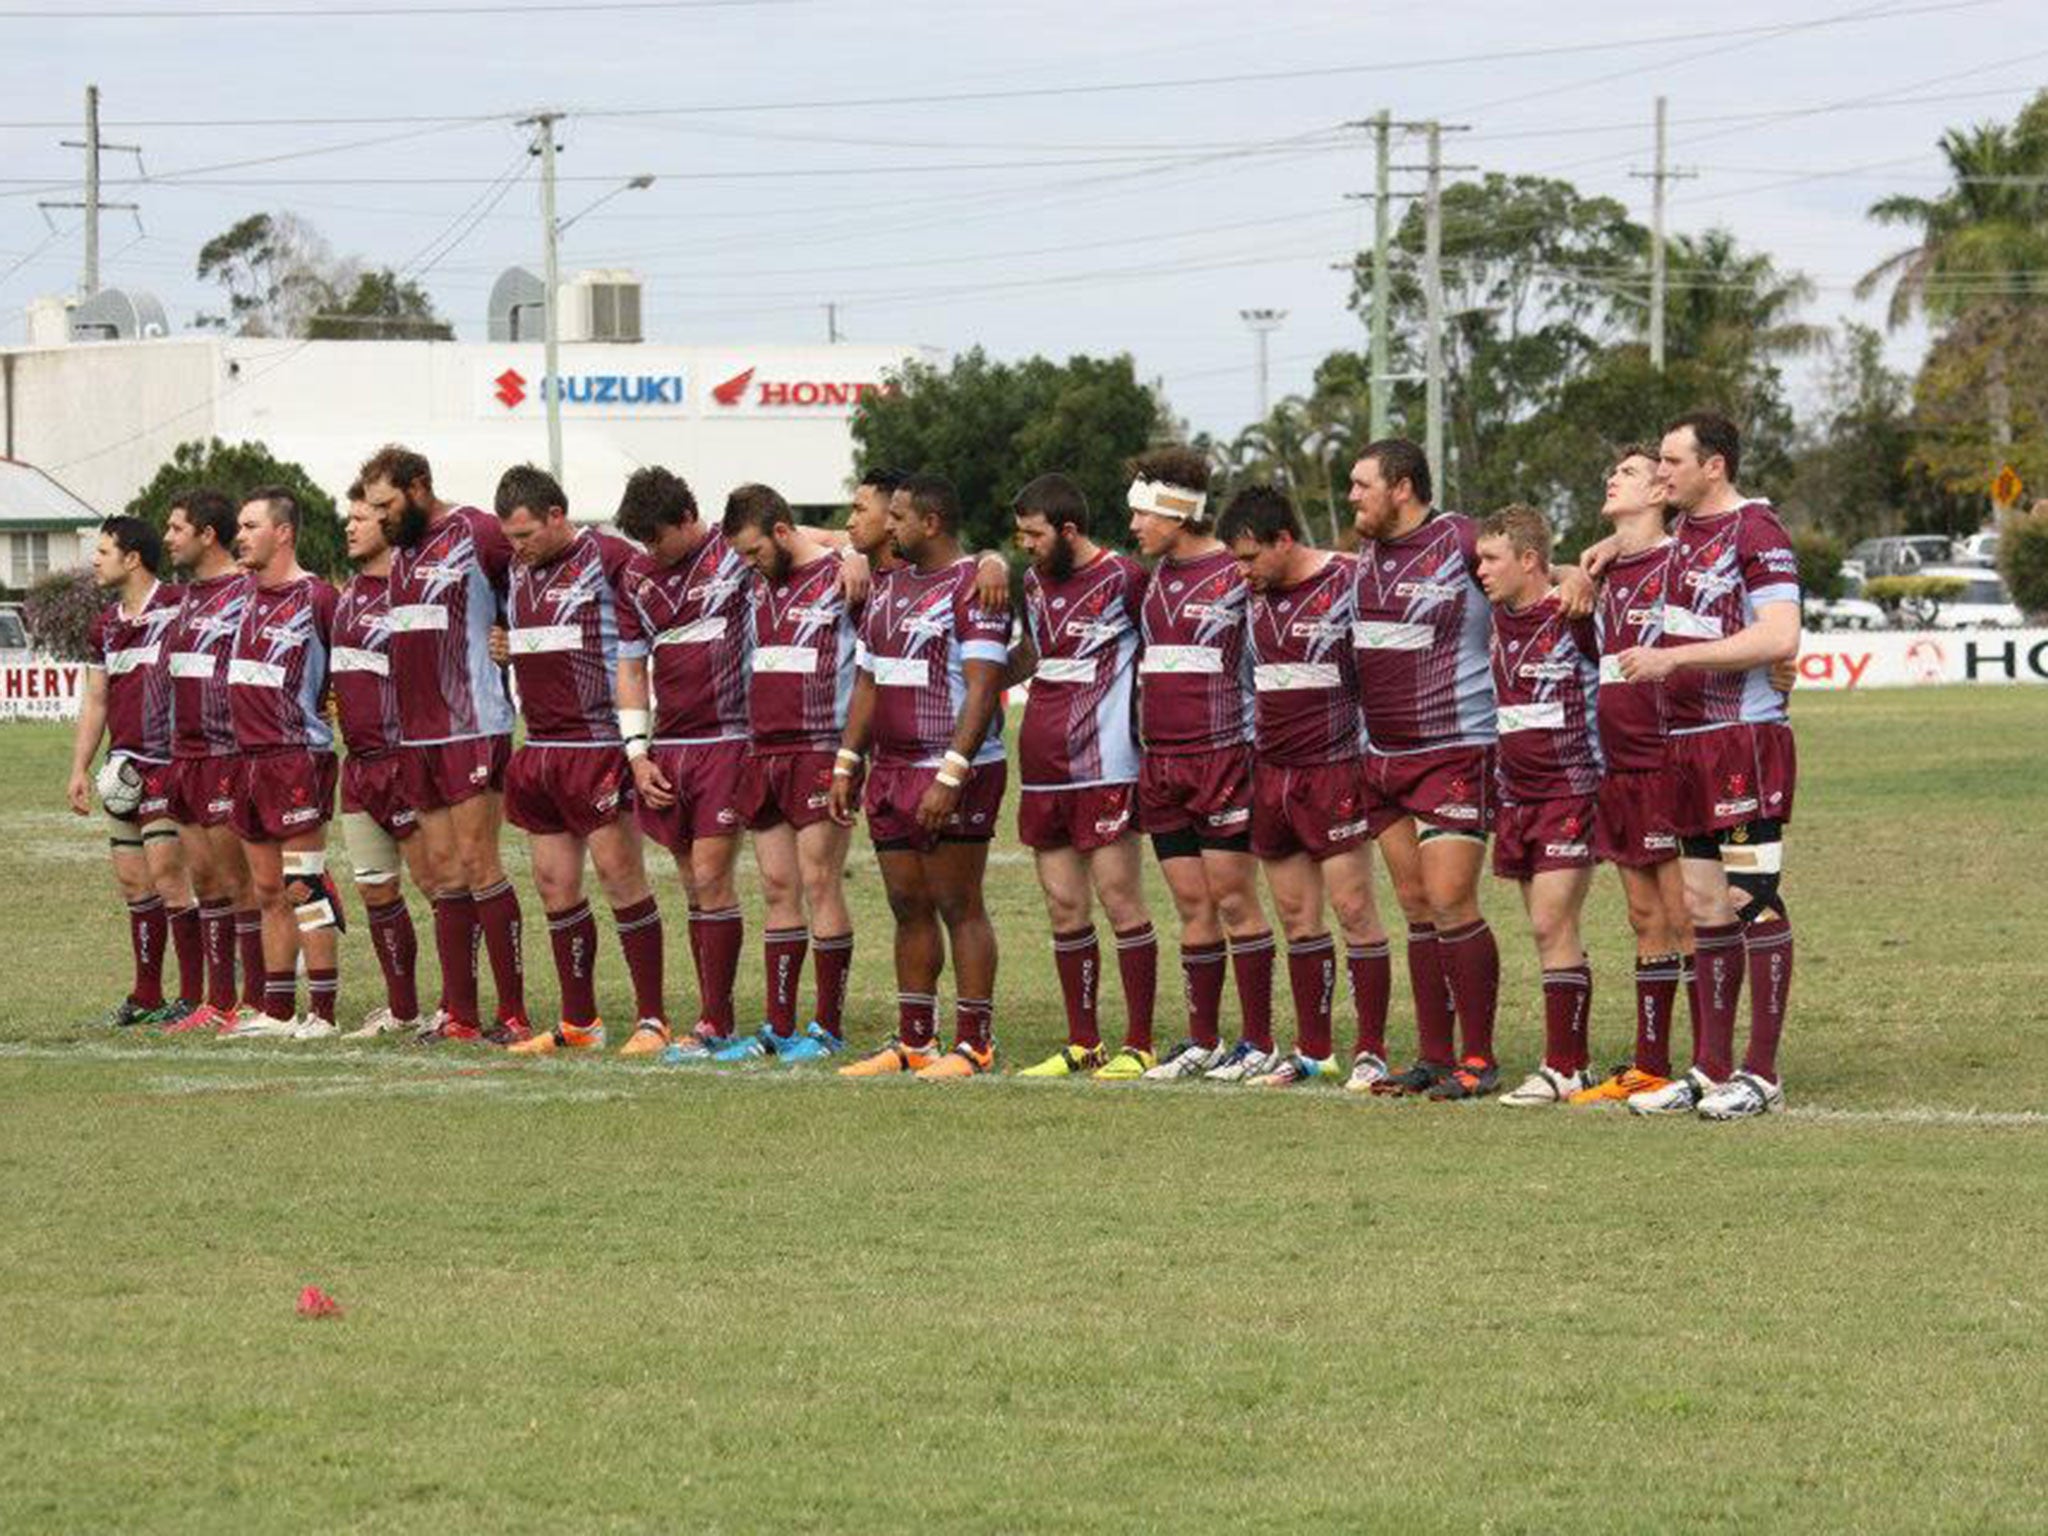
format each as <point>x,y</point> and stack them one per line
<point>1983,603</point>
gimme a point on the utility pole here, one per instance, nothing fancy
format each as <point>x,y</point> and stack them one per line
<point>1382,285</point>
<point>1263,323</point>
<point>1657,178</point>
<point>1433,291</point>
<point>551,385</point>
<point>92,207</point>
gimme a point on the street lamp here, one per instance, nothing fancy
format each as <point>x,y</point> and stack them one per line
<point>1263,323</point>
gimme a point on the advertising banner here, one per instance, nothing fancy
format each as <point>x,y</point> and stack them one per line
<point>1922,658</point>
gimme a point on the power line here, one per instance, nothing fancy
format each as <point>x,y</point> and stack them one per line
<point>329,13</point>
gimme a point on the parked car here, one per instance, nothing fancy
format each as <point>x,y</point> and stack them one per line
<point>1983,603</point>
<point>13,635</point>
<point>1978,549</point>
<point>1904,555</point>
<point>1852,610</point>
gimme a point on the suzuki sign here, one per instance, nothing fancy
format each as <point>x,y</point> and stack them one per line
<point>510,391</point>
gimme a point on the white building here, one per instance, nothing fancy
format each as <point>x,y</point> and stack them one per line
<point>43,527</point>
<point>103,416</point>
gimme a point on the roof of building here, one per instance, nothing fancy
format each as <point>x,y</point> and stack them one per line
<point>29,498</point>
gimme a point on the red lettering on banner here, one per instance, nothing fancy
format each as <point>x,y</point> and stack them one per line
<point>837,394</point>
<point>774,394</point>
<point>805,393</point>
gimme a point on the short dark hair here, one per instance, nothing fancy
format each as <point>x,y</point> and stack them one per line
<point>757,506</point>
<point>280,503</point>
<point>1057,499</point>
<point>1261,512</point>
<point>1401,458</point>
<point>531,487</point>
<point>1174,464</point>
<point>355,490</point>
<point>204,507</point>
<point>1629,451</point>
<point>136,536</point>
<point>654,499</point>
<point>933,496</point>
<point>882,479</point>
<point>1716,435</point>
<point>398,467</point>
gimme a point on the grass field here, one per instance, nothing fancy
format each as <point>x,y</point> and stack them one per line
<point>581,1296</point>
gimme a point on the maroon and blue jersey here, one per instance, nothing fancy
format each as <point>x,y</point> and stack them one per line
<point>565,641</point>
<point>359,668</point>
<point>920,630</point>
<point>446,595</point>
<point>277,676</point>
<point>198,644</point>
<point>1546,675</point>
<point>131,651</point>
<point>1196,692</point>
<point>696,622</point>
<point>1303,672</point>
<point>1421,633</point>
<point>803,659</point>
<point>1723,569</point>
<point>1080,717</point>
<point>1630,613</point>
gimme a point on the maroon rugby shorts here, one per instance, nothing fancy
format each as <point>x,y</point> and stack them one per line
<point>375,787</point>
<point>1317,809</point>
<point>1632,826</point>
<point>1208,791</point>
<point>446,773</point>
<point>1538,836</point>
<point>705,778</point>
<point>1450,788</point>
<point>572,790</point>
<point>203,790</point>
<point>284,794</point>
<point>1082,819</point>
<point>892,795</point>
<point>787,787</point>
<point>1732,774</point>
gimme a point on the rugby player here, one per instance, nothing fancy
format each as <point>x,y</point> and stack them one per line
<point>1731,610</point>
<point>378,828</point>
<point>927,697</point>
<point>568,786</point>
<point>803,641</point>
<point>449,566</point>
<point>199,535</point>
<point>1195,785</point>
<point>277,695</point>
<point>127,701</point>
<point>1546,671</point>
<point>1309,826</point>
<point>1421,640</point>
<point>1077,760</point>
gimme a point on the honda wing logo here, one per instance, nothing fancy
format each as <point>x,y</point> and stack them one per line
<point>744,389</point>
<point>734,389</point>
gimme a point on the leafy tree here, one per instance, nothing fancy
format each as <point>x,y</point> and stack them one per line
<point>239,468</point>
<point>276,271</point>
<point>1912,600</point>
<point>383,307</point>
<point>1850,471</point>
<point>2023,559</point>
<point>1820,563</point>
<point>989,427</point>
<point>1308,444</point>
<point>1957,442</point>
<point>59,612</point>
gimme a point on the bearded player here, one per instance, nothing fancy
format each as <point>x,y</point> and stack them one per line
<point>1077,759</point>
<point>1195,707</point>
<point>378,827</point>
<point>1731,610</point>
<point>277,690</point>
<point>802,682</point>
<point>128,703</point>
<point>927,698</point>
<point>1546,671</point>
<point>1423,673</point>
<point>199,535</point>
<point>568,787</point>
<point>449,567</point>
<point>1309,826</point>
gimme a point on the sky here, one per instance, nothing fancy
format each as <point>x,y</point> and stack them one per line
<point>1055,177</point>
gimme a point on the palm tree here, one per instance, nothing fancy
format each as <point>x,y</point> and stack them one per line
<point>1982,250</point>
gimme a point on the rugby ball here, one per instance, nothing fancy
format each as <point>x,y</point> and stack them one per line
<point>120,786</point>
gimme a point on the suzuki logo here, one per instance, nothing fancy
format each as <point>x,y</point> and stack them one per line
<point>733,389</point>
<point>511,388</point>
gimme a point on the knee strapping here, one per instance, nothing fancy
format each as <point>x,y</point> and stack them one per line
<point>309,891</point>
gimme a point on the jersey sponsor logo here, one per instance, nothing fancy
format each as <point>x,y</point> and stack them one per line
<point>1287,676</point>
<point>1546,716</point>
<point>1564,850</point>
<point>1316,629</point>
<point>120,663</point>
<point>194,664</point>
<point>1066,669</point>
<point>1710,584</point>
<point>1097,629</point>
<point>1235,816</point>
<point>1181,658</point>
<point>1684,624</point>
<point>246,673</point>
<point>1344,829</point>
<point>1391,635</point>
<point>1436,591</point>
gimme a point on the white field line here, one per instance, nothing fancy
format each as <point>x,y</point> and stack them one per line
<point>602,1080</point>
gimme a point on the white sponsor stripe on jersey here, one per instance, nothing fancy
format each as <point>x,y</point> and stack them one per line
<point>1610,670</point>
<point>191,664</point>
<point>250,673</point>
<point>122,662</point>
<point>900,671</point>
<point>800,659</point>
<point>1687,625</point>
<point>348,658</point>
<point>1182,658</point>
<point>1547,716</point>
<point>406,618</point>
<point>1389,635</point>
<point>697,632</point>
<point>541,639</point>
<point>1282,676</point>
<point>1065,669</point>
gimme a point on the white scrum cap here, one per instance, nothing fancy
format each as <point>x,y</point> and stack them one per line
<point>1164,500</point>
